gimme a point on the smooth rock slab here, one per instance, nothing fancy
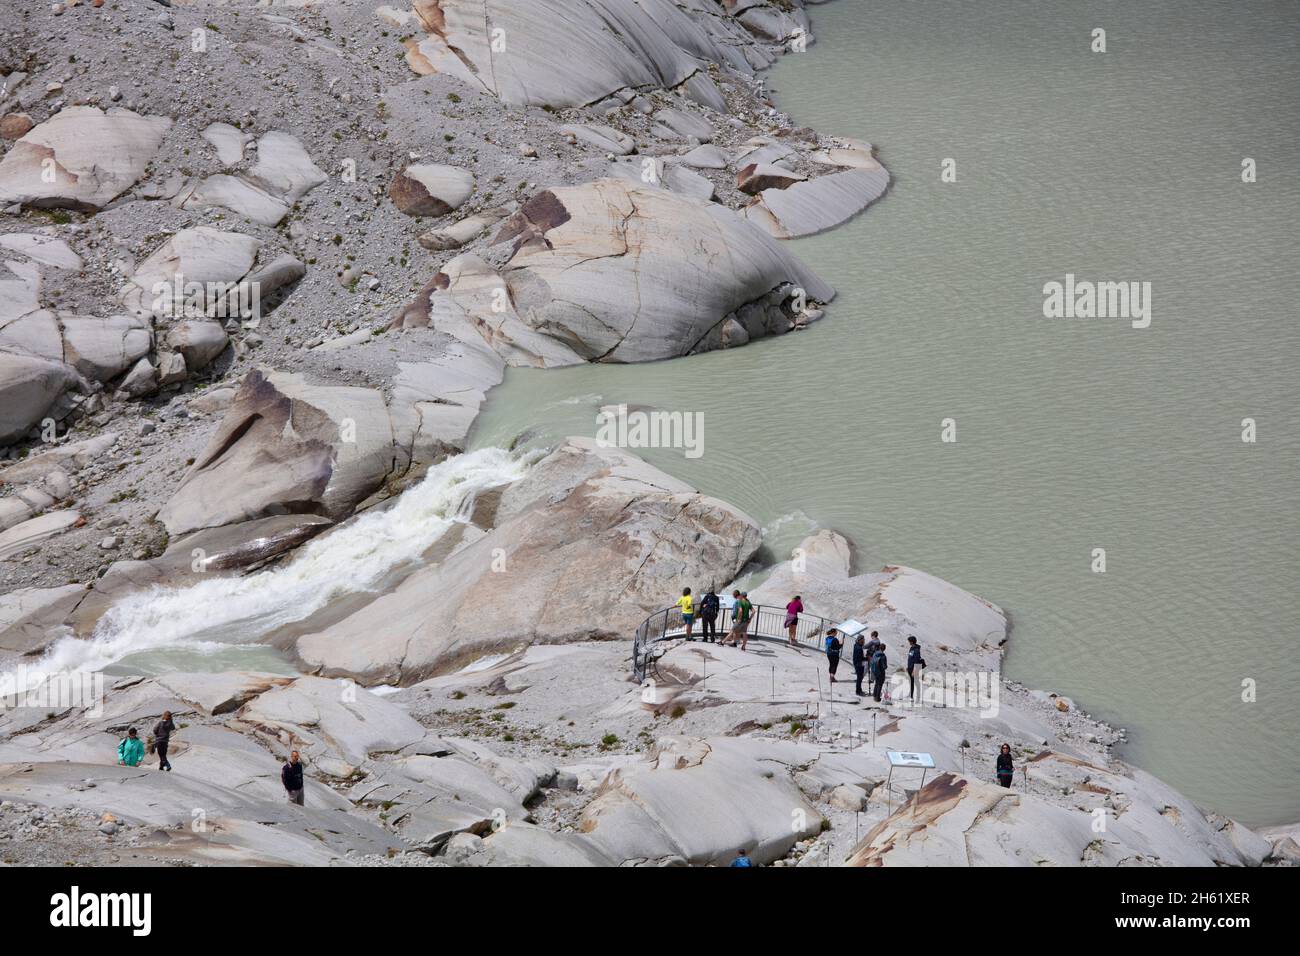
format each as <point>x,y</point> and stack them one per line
<point>97,156</point>
<point>817,205</point>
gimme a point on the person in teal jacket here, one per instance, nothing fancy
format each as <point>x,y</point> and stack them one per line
<point>131,750</point>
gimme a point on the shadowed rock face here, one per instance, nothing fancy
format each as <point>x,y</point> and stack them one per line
<point>275,453</point>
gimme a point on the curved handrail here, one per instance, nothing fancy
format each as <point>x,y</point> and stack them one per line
<point>767,623</point>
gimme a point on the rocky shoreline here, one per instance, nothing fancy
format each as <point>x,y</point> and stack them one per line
<point>421,200</point>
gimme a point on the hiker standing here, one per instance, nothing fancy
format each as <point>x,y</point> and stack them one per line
<point>131,750</point>
<point>742,858</point>
<point>687,604</point>
<point>859,663</point>
<point>1005,770</point>
<point>878,664</point>
<point>914,659</point>
<point>162,736</point>
<point>833,647</point>
<point>792,612</point>
<point>291,777</point>
<point>744,614</point>
<point>709,606</point>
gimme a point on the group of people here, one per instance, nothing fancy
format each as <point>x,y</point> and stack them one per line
<point>709,609</point>
<point>868,653</point>
<point>869,657</point>
<point>131,751</point>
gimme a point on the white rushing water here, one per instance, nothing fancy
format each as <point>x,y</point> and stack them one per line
<point>208,617</point>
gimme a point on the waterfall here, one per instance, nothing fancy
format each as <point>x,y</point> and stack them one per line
<point>352,559</point>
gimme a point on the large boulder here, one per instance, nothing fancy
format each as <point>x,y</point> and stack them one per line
<point>197,255</point>
<point>198,340</point>
<point>101,349</point>
<point>620,272</point>
<point>29,388</point>
<point>430,189</point>
<point>586,545</point>
<point>96,156</point>
<point>605,46</point>
<point>285,447</point>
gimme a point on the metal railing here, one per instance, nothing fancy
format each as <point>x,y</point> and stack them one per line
<point>766,623</point>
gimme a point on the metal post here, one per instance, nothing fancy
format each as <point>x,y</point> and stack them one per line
<point>873,727</point>
<point>773,681</point>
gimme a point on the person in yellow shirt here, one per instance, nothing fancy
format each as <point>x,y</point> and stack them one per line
<point>687,604</point>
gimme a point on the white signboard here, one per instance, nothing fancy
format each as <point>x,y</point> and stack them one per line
<point>898,758</point>
<point>852,628</point>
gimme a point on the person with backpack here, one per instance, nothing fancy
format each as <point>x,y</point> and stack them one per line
<point>687,604</point>
<point>878,664</point>
<point>914,659</point>
<point>291,777</point>
<point>859,664</point>
<point>833,648</point>
<point>162,736</point>
<point>740,614</point>
<point>709,607</point>
<point>131,750</point>
<point>742,858</point>
<point>792,612</point>
<point>1006,772</point>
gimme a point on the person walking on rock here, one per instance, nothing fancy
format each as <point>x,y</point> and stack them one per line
<point>709,606</point>
<point>162,737</point>
<point>1005,770</point>
<point>687,604</point>
<point>914,660</point>
<point>291,777</point>
<point>131,750</point>
<point>878,664</point>
<point>792,612</point>
<point>859,663</point>
<point>833,648</point>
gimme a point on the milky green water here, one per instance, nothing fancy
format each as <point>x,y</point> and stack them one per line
<point>1071,434</point>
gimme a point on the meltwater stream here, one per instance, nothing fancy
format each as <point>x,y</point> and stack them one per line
<point>209,625</point>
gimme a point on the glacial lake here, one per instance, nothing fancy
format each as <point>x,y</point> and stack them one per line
<point>1072,434</point>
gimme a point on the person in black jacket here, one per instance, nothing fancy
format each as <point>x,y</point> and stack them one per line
<point>860,663</point>
<point>833,648</point>
<point>709,616</point>
<point>1005,771</point>
<point>162,736</point>
<point>291,777</point>
<point>878,664</point>
<point>914,659</point>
